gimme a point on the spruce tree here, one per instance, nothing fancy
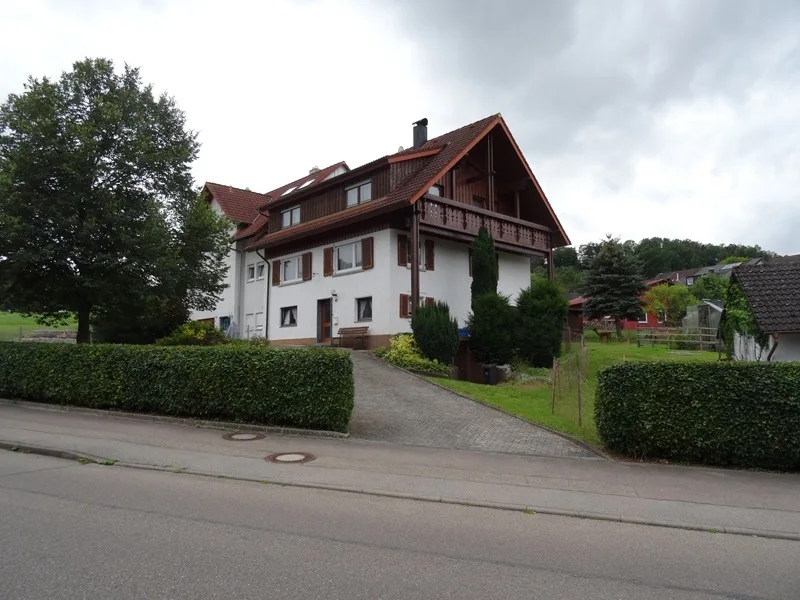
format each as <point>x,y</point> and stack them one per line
<point>613,284</point>
<point>484,265</point>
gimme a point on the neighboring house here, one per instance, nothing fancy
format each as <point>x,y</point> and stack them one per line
<point>773,292</point>
<point>576,320</point>
<point>365,246</point>
<point>685,277</point>
<point>242,307</point>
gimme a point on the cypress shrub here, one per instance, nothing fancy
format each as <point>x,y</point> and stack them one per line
<point>542,314</point>
<point>491,328</point>
<point>435,332</point>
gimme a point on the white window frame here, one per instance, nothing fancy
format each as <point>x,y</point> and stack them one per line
<point>358,187</point>
<point>437,189</point>
<point>358,316</point>
<point>421,254</point>
<point>260,270</point>
<point>690,281</point>
<point>645,318</point>
<point>294,217</point>
<point>355,267</point>
<point>283,314</point>
<point>251,272</point>
<point>298,260</point>
<point>422,300</point>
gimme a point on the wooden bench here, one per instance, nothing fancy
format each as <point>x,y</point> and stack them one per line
<point>351,332</point>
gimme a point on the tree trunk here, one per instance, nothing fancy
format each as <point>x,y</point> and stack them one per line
<point>83,324</point>
<point>618,324</point>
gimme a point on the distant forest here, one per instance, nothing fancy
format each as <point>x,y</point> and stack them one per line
<point>657,255</point>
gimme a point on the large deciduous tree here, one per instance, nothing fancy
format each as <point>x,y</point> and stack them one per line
<point>613,284</point>
<point>97,210</point>
<point>670,300</point>
<point>710,287</point>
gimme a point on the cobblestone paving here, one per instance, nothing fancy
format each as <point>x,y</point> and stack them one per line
<point>392,406</point>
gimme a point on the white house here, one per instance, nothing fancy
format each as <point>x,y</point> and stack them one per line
<point>362,247</point>
<point>773,293</point>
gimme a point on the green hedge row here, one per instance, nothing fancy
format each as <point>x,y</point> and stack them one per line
<point>308,388</point>
<point>739,414</point>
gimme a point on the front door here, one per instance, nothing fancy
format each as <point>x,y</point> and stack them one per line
<point>324,320</point>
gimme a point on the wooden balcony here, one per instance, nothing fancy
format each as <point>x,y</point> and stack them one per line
<point>465,221</point>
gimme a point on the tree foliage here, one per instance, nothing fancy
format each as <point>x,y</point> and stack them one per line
<point>670,300</point>
<point>436,332</point>
<point>729,260</point>
<point>541,316</point>
<point>738,318</point>
<point>97,211</point>
<point>484,265</point>
<point>491,328</point>
<point>613,284</point>
<point>566,257</point>
<point>710,287</point>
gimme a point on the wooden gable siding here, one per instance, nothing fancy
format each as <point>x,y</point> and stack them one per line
<point>331,200</point>
<point>399,172</point>
<point>467,185</point>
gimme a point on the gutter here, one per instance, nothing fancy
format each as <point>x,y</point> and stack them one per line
<point>268,284</point>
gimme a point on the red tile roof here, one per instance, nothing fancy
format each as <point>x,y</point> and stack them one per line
<point>242,206</point>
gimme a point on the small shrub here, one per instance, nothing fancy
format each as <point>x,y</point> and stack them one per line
<point>194,333</point>
<point>740,414</point>
<point>404,353</point>
<point>309,388</point>
<point>541,314</point>
<point>491,329</point>
<point>435,332</point>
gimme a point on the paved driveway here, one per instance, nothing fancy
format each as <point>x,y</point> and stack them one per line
<point>393,406</point>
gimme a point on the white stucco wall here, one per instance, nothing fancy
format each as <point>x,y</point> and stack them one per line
<point>252,320</point>
<point>788,350</point>
<point>347,286</point>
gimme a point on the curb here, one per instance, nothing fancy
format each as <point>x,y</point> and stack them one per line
<point>188,422</point>
<point>561,434</point>
<point>526,509</point>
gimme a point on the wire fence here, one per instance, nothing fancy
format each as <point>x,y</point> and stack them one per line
<point>570,377</point>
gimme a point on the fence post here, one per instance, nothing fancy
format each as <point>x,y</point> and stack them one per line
<point>554,377</point>
<point>578,357</point>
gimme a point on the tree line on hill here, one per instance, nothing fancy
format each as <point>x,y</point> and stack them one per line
<point>653,255</point>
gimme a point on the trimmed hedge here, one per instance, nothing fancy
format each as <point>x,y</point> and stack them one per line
<point>738,414</point>
<point>308,388</point>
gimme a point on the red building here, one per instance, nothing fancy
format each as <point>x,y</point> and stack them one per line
<point>576,320</point>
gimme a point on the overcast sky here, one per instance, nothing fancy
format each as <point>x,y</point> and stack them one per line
<point>673,118</point>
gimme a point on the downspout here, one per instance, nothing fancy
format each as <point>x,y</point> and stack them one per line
<point>267,285</point>
<point>775,339</point>
<point>415,256</point>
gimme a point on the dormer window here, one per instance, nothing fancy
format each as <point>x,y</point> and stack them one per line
<point>290,216</point>
<point>359,193</point>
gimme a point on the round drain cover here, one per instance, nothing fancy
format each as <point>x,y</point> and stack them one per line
<point>290,457</point>
<point>243,436</point>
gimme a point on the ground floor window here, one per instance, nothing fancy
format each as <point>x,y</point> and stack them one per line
<point>288,316</point>
<point>224,323</point>
<point>364,309</point>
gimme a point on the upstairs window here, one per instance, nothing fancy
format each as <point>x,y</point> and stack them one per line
<point>290,216</point>
<point>421,254</point>
<point>436,190</point>
<point>260,270</point>
<point>479,202</point>
<point>292,270</point>
<point>251,272</point>
<point>348,257</point>
<point>359,193</point>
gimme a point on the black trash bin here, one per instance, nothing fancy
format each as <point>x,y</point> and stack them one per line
<point>491,374</point>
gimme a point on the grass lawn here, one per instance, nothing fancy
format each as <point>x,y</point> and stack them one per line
<point>10,324</point>
<point>533,400</point>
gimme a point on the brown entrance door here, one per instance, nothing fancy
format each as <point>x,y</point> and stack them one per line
<point>324,320</point>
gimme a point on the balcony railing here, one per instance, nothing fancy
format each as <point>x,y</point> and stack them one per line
<point>458,217</point>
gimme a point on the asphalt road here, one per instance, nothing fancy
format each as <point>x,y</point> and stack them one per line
<point>82,532</point>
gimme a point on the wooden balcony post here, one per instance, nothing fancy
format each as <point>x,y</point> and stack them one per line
<point>415,257</point>
<point>551,267</point>
<point>516,204</point>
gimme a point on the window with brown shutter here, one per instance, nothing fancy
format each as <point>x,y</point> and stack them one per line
<point>367,260</point>
<point>429,301</point>
<point>276,272</point>
<point>327,262</point>
<point>429,255</point>
<point>404,301</point>
<point>307,271</point>
<point>402,250</point>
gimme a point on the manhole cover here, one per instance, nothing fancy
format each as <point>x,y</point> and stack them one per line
<point>290,457</point>
<point>243,436</point>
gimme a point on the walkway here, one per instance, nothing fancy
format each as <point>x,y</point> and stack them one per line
<point>393,406</point>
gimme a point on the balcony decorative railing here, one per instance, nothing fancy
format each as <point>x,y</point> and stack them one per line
<point>458,217</point>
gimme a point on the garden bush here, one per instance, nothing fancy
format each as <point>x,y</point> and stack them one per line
<point>739,414</point>
<point>404,353</point>
<point>491,329</point>
<point>195,333</point>
<point>435,332</point>
<point>308,388</point>
<point>542,315</point>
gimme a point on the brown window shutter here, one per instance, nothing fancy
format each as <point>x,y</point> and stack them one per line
<point>429,262</point>
<point>402,251</point>
<point>497,264</point>
<point>276,272</point>
<point>367,261</point>
<point>403,306</point>
<point>327,260</point>
<point>307,267</point>
<point>429,301</point>
<point>469,258</point>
